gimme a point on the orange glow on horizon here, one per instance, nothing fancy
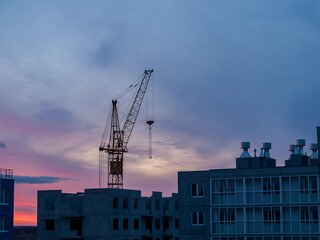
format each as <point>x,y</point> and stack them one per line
<point>25,219</point>
<point>28,204</point>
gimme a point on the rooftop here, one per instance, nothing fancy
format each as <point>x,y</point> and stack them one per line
<point>6,173</point>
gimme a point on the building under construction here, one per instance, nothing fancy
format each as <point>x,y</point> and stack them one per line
<point>114,214</point>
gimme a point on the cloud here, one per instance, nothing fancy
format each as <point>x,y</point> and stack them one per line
<point>57,116</point>
<point>2,145</point>
<point>38,180</point>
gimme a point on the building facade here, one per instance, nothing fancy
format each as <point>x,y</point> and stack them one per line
<point>6,204</point>
<point>254,201</point>
<point>116,214</point>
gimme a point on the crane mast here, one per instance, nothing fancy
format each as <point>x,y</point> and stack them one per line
<point>118,139</point>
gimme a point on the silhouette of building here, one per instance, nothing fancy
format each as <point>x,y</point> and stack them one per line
<point>116,214</point>
<point>254,201</point>
<point>25,233</point>
<point>6,204</point>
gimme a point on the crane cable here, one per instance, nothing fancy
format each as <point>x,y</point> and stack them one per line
<point>132,86</point>
<point>150,121</point>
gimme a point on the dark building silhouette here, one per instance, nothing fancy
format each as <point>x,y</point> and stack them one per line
<point>107,213</point>
<point>6,204</point>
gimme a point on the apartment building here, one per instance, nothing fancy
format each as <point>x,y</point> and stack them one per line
<point>6,204</point>
<point>116,214</point>
<point>255,201</point>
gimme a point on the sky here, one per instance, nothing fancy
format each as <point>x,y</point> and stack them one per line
<point>225,71</point>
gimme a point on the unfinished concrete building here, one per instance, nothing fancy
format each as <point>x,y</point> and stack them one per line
<point>116,214</point>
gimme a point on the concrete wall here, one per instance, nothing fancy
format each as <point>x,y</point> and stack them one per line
<point>189,204</point>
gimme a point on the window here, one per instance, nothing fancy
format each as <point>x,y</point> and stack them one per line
<point>50,203</point>
<point>157,223</point>
<point>125,203</point>
<point>149,223</point>
<point>271,215</point>
<point>303,185</point>
<point>115,224</point>
<point>136,203</point>
<point>115,202</point>
<point>197,190</point>
<point>4,197</point>
<point>267,215</point>
<point>136,223</point>
<point>304,215</point>
<point>266,186</point>
<point>275,184</point>
<point>197,218</point>
<point>231,184</point>
<point>176,205</point>
<point>125,224</point>
<point>276,215</point>
<point>314,215</point>
<point>223,215</point>
<point>165,224</point>
<point>227,215</point>
<point>157,203</point>
<point>231,216</point>
<point>76,225</point>
<point>176,223</point>
<point>313,184</point>
<point>165,205</point>
<point>149,204</point>
<point>50,225</point>
<point>3,224</point>
<point>222,187</point>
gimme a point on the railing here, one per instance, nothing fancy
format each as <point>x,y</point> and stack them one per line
<point>6,173</point>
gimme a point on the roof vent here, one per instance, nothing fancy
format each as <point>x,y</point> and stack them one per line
<point>245,146</point>
<point>300,143</point>
<point>261,153</point>
<point>314,147</point>
<point>292,148</point>
<point>265,147</point>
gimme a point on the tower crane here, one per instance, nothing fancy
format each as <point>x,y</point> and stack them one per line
<point>115,145</point>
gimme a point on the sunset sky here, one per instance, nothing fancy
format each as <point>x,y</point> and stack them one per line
<point>225,71</point>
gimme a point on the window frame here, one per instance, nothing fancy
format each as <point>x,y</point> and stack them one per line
<point>198,192</point>
<point>4,224</point>
<point>4,197</point>
<point>197,223</point>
